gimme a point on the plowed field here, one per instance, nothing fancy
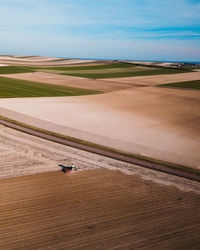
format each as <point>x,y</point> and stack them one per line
<point>96,209</point>
<point>157,79</point>
<point>156,122</point>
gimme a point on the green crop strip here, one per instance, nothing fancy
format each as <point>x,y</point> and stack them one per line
<point>10,88</point>
<point>184,85</point>
<point>14,70</point>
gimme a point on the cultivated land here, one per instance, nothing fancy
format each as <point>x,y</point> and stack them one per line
<point>96,209</point>
<point>41,61</point>
<point>41,208</point>
<point>12,88</point>
<point>128,120</point>
<point>105,85</point>
<point>111,70</point>
<point>184,85</point>
<point>157,80</point>
<point>70,81</point>
<point>105,66</point>
<point>156,122</point>
<point>22,154</point>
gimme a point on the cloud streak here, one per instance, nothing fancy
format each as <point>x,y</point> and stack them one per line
<point>115,24</point>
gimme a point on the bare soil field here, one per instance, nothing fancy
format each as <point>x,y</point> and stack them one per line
<point>100,71</point>
<point>70,81</point>
<point>40,61</point>
<point>96,209</point>
<point>95,63</point>
<point>130,207</point>
<point>158,79</point>
<point>155,122</point>
<point>22,154</point>
<point>29,58</point>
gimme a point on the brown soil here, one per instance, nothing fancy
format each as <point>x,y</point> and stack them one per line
<point>156,122</point>
<point>41,61</point>
<point>149,121</point>
<point>49,61</point>
<point>22,154</point>
<point>70,81</point>
<point>96,63</point>
<point>96,209</point>
<point>158,79</point>
<point>95,71</point>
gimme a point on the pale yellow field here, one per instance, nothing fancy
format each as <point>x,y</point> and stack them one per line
<point>155,122</point>
<point>70,81</point>
<point>40,61</point>
<point>132,117</point>
<point>158,79</point>
<point>96,208</point>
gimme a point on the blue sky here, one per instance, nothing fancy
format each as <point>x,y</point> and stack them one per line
<point>118,29</point>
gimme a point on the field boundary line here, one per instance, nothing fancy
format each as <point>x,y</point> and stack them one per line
<point>139,160</point>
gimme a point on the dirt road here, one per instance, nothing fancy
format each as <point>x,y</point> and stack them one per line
<point>154,122</point>
<point>121,157</point>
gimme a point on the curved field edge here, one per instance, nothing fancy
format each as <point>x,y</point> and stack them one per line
<point>83,71</point>
<point>128,74</point>
<point>96,209</point>
<point>173,166</point>
<point>103,66</point>
<point>195,85</point>
<point>14,70</point>
<point>14,88</point>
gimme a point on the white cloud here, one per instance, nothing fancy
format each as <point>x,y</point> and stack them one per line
<point>106,28</point>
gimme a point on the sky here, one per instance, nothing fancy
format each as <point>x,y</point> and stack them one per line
<point>162,30</point>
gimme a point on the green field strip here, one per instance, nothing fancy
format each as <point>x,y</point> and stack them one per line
<point>185,85</point>
<point>112,70</point>
<point>171,165</point>
<point>14,70</point>
<point>128,74</point>
<point>105,66</point>
<point>12,88</point>
<point>98,71</point>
